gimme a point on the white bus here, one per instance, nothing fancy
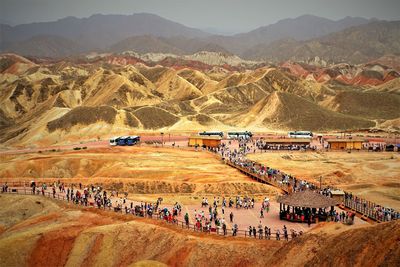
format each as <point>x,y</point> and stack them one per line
<point>114,140</point>
<point>212,133</point>
<point>240,135</point>
<point>300,134</point>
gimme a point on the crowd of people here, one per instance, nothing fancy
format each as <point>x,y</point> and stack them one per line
<point>237,157</point>
<point>372,209</point>
<point>309,215</point>
<point>239,202</point>
<point>204,222</point>
<point>265,233</point>
<point>102,199</point>
<point>215,220</point>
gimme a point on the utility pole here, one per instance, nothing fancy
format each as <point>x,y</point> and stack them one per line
<point>320,182</point>
<point>162,139</point>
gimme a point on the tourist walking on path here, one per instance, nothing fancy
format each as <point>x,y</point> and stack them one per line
<point>235,229</point>
<point>285,233</point>
<point>278,233</point>
<point>187,218</point>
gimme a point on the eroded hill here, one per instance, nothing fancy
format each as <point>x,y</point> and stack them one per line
<point>49,102</point>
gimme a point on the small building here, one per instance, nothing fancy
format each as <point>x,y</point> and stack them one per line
<point>287,141</point>
<point>204,141</point>
<point>338,195</point>
<point>345,143</point>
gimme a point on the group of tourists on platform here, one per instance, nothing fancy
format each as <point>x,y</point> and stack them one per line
<point>205,221</point>
<point>381,213</point>
<point>311,215</point>
<point>265,232</point>
<point>238,158</point>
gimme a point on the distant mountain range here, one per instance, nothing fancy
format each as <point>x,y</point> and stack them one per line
<point>100,31</point>
<point>350,39</point>
<point>301,28</point>
<point>356,44</point>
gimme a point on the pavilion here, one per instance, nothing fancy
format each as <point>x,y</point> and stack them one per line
<point>305,206</point>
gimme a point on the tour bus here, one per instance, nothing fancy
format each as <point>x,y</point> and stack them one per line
<point>122,141</point>
<point>132,140</point>
<point>300,134</point>
<point>240,135</point>
<point>113,141</point>
<point>212,133</point>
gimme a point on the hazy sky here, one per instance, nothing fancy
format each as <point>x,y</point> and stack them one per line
<point>224,15</point>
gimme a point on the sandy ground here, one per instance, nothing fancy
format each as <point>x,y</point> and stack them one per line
<point>372,175</point>
<point>137,170</point>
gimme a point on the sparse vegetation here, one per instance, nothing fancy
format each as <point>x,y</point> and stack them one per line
<point>83,116</point>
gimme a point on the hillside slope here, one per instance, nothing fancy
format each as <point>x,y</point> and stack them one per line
<point>288,111</point>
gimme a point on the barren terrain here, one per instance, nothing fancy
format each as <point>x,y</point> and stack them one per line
<point>374,176</point>
<point>137,170</point>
